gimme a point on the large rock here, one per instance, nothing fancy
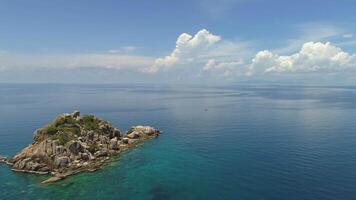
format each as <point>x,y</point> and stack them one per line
<point>102,153</point>
<point>133,135</point>
<point>84,156</point>
<point>125,140</point>
<point>113,144</point>
<point>75,147</point>
<point>104,139</point>
<point>2,159</point>
<point>117,133</point>
<point>108,130</point>
<point>90,135</point>
<point>142,131</point>
<point>60,150</point>
<point>61,162</point>
<point>21,164</point>
<point>39,135</point>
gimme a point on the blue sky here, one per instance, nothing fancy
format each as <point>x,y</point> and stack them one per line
<point>137,41</point>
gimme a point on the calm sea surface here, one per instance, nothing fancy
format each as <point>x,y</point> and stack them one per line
<point>236,142</point>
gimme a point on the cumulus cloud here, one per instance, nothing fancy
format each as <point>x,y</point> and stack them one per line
<point>223,68</point>
<point>197,55</point>
<point>188,48</point>
<point>204,52</point>
<point>214,56</point>
<point>312,57</point>
<point>311,32</point>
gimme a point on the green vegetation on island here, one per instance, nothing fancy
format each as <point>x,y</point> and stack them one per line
<point>73,144</point>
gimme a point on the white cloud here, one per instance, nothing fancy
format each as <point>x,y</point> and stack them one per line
<point>205,54</point>
<point>223,68</point>
<point>188,49</point>
<point>199,52</point>
<point>311,32</point>
<point>313,57</point>
<point>189,58</point>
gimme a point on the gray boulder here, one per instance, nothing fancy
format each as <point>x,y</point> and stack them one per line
<point>2,159</point>
<point>102,153</point>
<point>75,147</point>
<point>84,156</point>
<point>113,144</point>
<point>142,132</point>
<point>61,162</point>
<point>125,140</point>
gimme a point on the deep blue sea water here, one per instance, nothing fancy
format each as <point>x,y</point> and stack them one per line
<point>233,142</point>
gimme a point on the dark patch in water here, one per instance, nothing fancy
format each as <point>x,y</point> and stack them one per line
<point>159,192</point>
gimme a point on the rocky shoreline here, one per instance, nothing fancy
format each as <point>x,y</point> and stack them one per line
<point>73,143</point>
<point>3,159</point>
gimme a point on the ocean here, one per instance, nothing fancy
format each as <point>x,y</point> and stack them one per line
<point>258,142</point>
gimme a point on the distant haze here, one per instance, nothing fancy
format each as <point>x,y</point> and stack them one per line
<point>185,42</point>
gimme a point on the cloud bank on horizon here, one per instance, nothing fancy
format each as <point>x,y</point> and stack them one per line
<point>203,54</point>
<point>201,49</point>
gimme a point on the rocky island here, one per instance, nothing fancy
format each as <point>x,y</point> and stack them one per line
<point>72,144</point>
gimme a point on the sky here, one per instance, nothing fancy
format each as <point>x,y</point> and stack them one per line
<point>195,42</point>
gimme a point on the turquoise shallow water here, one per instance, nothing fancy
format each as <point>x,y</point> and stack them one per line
<point>236,142</point>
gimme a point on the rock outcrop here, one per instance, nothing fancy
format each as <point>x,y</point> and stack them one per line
<point>73,144</point>
<point>3,159</point>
